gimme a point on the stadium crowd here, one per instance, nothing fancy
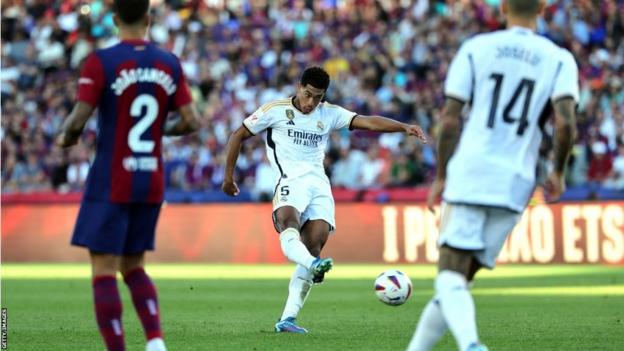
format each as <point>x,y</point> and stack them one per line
<point>386,57</point>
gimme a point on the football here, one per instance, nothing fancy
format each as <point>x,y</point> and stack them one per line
<point>393,287</point>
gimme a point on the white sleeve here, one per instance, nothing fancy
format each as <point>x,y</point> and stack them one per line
<point>258,121</point>
<point>341,117</point>
<point>566,78</point>
<point>460,76</point>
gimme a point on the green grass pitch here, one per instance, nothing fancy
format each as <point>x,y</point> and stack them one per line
<point>234,307</point>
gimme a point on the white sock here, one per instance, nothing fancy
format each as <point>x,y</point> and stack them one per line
<point>457,307</point>
<point>294,249</point>
<point>431,327</point>
<point>298,290</point>
<point>155,344</point>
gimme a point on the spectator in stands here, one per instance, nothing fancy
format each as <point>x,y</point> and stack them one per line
<point>615,180</point>
<point>402,171</point>
<point>195,175</point>
<point>264,181</point>
<point>600,165</point>
<point>373,169</point>
<point>406,171</point>
<point>346,172</point>
<point>9,168</point>
<point>55,165</point>
<point>26,176</point>
<point>78,168</point>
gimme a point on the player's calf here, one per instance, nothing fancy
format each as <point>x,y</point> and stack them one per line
<point>314,235</point>
<point>145,301</point>
<point>108,311</point>
<point>456,303</point>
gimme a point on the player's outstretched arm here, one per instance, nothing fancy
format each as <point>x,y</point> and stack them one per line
<point>386,125</point>
<point>186,123</point>
<point>450,131</point>
<point>565,134</point>
<point>232,149</point>
<point>74,124</point>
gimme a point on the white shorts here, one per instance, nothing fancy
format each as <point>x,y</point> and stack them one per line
<point>481,229</point>
<point>310,194</point>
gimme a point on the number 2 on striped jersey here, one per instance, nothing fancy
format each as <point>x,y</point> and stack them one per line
<point>146,120</point>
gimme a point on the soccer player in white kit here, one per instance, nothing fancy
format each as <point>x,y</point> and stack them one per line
<point>298,129</point>
<point>486,173</point>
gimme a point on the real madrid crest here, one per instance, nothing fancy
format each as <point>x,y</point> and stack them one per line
<point>320,125</point>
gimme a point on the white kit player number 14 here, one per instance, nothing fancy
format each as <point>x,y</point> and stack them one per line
<point>524,89</point>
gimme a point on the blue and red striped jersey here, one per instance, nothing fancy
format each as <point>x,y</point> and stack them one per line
<point>134,85</point>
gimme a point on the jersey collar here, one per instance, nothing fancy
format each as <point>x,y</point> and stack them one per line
<point>521,30</point>
<point>135,41</point>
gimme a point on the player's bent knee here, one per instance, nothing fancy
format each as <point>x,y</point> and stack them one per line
<point>287,224</point>
<point>131,262</point>
<point>456,260</point>
<point>104,264</point>
<point>287,217</point>
<point>314,234</point>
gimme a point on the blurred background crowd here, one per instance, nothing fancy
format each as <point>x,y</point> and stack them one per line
<point>385,57</point>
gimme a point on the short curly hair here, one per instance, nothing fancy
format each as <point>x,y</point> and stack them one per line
<point>316,77</point>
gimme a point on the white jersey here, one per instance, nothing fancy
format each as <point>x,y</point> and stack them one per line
<point>296,142</point>
<point>509,76</point>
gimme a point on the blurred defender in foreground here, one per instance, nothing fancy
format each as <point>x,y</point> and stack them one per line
<point>486,173</point>
<point>134,85</point>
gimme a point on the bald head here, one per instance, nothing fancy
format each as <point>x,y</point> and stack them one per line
<point>524,8</point>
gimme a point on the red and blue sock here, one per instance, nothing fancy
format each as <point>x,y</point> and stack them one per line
<point>145,301</point>
<point>108,311</point>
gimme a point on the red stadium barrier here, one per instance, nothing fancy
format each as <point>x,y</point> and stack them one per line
<point>243,233</point>
<point>410,194</point>
<point>44,197</point>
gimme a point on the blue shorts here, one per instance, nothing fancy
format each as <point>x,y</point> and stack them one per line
<point>115,228</point>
